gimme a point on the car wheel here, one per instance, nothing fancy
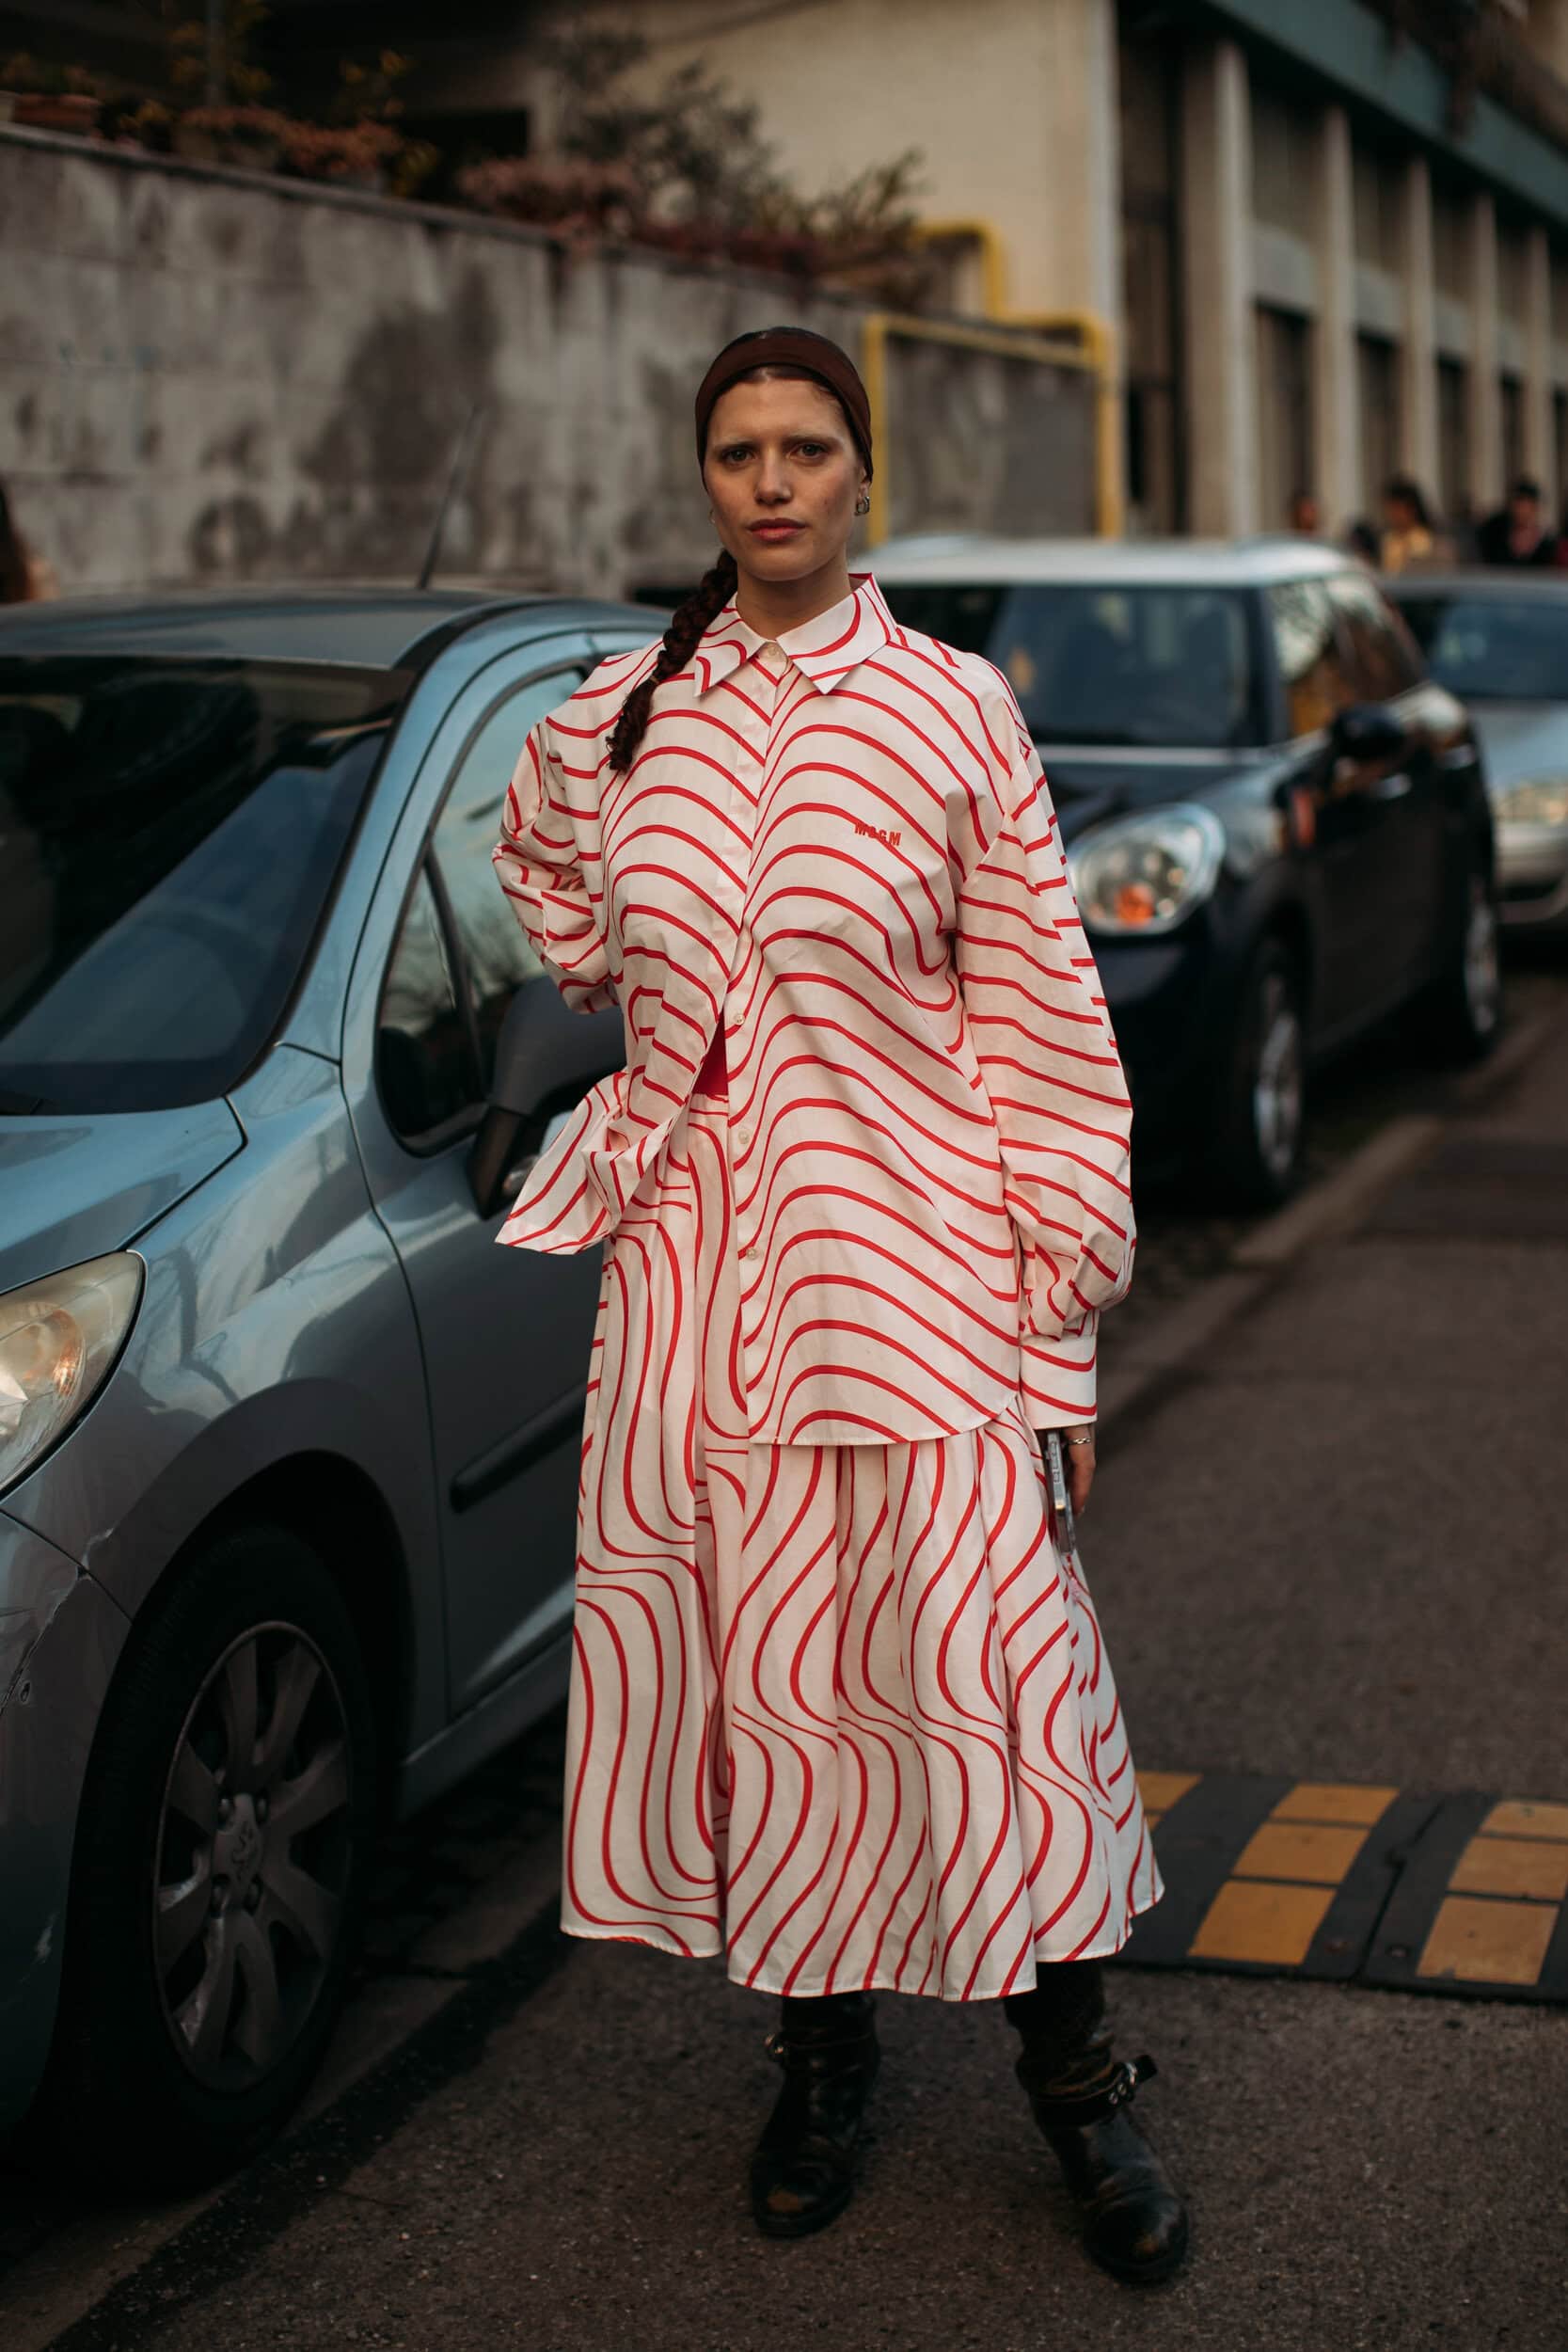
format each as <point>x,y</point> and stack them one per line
<point>1254,1157</point>
<point>226,1823</point>
<point>1463,1010</point>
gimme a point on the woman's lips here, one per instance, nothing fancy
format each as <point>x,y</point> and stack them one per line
<point>774,531</point>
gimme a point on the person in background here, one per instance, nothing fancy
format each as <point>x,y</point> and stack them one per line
<point>1517,533</point>
<point>1361,540</point>
<point>25,578</point>
<point>1305,515</point>
<point>1410,538</point>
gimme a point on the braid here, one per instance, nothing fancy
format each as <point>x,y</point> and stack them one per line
<point>681,639</point>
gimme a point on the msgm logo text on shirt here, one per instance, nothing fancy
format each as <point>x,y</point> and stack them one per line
<point>890,835</point>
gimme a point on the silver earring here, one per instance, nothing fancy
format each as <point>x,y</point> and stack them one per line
<point>863,504</point>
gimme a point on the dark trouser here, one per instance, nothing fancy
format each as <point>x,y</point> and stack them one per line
<point>1060,2016</point>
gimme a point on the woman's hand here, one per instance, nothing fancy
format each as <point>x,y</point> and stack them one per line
<point>1079,1457</point>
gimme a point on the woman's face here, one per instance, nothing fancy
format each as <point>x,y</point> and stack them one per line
<point>783,473</point>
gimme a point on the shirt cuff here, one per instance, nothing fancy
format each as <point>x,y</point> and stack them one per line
<point>1057,1383</point>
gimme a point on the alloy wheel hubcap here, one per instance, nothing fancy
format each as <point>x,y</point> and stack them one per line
<point>1277,1089</point>
<point>1482,966</point>
<point>254,1854</point>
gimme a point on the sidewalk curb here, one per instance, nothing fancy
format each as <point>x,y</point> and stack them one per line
<point>59,2286</point>
<point>398,2036</point>
<point>1335,1206</point>
<point>1325,1212</point>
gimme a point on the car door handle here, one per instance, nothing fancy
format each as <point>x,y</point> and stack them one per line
<point>1392,787</point>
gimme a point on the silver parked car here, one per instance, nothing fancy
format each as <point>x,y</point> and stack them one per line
<point>287,1448</point>
<point>1499,640</point>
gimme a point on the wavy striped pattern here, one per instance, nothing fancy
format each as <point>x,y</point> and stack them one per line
<point>838,850</point>
<point>838,1712</point>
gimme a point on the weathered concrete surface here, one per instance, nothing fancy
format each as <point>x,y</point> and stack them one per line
<point>212,375</point>
<point>1366,2170</point>
<point>1335,1553</point>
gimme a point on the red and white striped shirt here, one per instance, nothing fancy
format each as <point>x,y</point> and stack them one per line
<point>838,847</point>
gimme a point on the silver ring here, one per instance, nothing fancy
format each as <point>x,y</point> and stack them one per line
<point>1080,1441</point>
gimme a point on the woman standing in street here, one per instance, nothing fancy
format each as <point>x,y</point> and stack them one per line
<point>839,1708</point>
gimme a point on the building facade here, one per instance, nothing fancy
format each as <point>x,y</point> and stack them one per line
<point>1321,241</point>
<point>1328,239</point>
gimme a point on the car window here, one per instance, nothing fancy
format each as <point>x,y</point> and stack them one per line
<point>1381,660</point>
<point>1094,663</point>
<point>1311,658</point>
<point>496,955</point>
<point>1490,648</point>
<point>170,831</point>
<point>425,1050</point>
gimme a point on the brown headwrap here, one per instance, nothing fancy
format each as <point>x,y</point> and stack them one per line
<point>789,347</point>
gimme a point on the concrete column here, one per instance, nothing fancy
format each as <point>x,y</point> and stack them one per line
<point>1220,334</point>
<point>1483,470</point>
<point>1336,422</point>
<point>1418,351</point>
<point>1540,449</point>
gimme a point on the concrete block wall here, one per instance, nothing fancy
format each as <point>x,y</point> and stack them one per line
<point>208,376</point>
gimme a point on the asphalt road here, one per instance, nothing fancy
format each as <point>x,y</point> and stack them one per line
<point>1326,1545</point>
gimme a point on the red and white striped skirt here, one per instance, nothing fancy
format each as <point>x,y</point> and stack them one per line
<point>839,1712</point>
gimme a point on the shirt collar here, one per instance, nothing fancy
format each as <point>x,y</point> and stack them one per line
<point>824,650</point>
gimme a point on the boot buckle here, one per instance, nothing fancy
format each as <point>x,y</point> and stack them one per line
<point>1128,2074</point>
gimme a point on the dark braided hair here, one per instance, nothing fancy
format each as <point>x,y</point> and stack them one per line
<point>681,639</point>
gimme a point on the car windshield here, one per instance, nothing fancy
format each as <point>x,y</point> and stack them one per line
<point>172,828</point>
<point>1494,648</point>
<point>1093,663</point>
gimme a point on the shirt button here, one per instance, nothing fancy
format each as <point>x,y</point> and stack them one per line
<point>750,1252</point>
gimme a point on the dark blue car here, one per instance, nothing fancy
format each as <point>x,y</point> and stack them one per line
<point>1277,822</point>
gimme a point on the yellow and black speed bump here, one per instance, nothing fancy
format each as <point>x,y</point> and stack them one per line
<point>1270,1877</point>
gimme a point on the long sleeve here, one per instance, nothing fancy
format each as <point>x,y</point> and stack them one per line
<point>540,868</point>
<point>1048,1060</point>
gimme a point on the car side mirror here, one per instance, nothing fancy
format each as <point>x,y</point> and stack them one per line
<point>546,1059</point>
<point>1367,731</point>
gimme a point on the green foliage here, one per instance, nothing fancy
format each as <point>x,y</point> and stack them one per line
<point>198,65</point>
<point>40,77</point>
<point>685,165</point>
<point>368,90</point>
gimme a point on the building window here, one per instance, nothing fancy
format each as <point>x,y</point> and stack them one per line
<point>1149,82</point>
<point>1513,275</point>
<point>1284,162</point>
<point>1377,374</point>
<point>1510,418</point>
<point>1453,440</point>
<point>1284,412</point>
<point>1451,244</point>
<point>1378,209</point>
<point>1560,294</point>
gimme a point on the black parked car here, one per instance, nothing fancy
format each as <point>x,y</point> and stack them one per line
<point>1277,824</point>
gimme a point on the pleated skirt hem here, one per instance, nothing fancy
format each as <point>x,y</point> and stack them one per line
<point>777,1983</point>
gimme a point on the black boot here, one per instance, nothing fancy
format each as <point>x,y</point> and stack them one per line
<point>801,2176</point>
<point>1134,2223</point>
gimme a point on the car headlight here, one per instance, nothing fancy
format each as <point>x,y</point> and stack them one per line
<point>58,1339</point>
<point>1147,873</point>
<point>1534,801</point>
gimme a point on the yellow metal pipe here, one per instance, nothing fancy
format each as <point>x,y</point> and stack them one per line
<point>876,329</point>
<point>1094,335</point>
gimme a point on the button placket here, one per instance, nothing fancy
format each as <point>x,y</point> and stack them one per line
<point>769,691</point>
